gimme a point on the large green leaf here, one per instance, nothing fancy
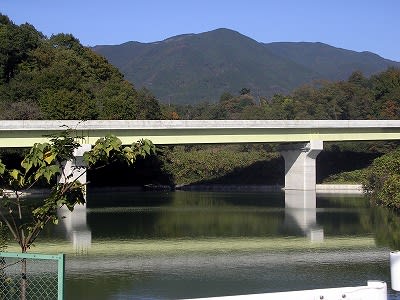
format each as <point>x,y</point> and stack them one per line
<point>49,157</point>
<point>14,173</point>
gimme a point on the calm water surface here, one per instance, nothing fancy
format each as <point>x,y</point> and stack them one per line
<point>176,245</point>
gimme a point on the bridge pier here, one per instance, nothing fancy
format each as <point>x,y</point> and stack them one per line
<point>75,168</point>
<point>300,162</point>
<point>75,221</point>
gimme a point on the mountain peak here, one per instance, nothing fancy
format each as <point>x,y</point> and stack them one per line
<point>190,68</point>
<point>226,33</point>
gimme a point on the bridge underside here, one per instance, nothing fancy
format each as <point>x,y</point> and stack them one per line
<point>300,164</point>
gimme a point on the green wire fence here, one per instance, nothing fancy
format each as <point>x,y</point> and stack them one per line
<point>27,276</point>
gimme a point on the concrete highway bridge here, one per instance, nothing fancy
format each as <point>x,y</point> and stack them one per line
<point>302,140</point>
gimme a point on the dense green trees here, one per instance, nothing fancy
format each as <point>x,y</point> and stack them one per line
<point>234,163</point>
<point>58,78</point>
<point>377,97</point>
<point>382,180</point>
<point>16,42</point>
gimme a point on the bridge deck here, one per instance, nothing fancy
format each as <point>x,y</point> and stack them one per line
<point>21,133</point>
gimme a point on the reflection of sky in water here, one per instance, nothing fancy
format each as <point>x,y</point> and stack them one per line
<point>189,244</point>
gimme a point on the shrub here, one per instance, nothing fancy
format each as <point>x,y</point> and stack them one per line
<point>382,180</point>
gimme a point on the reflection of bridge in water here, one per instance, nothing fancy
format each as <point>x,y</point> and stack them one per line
<point>301,212</point>
<point>76,227</point>
<point>300,218</point>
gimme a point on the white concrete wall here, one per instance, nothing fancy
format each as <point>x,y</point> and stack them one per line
<point>376,290</point>
<point>339,188</point>
<point>75,169</point>
<point>300,165</point>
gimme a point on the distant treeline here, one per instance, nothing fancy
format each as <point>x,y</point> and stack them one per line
<point>377,97</point>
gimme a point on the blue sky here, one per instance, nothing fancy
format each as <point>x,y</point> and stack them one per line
<point>360,25</point>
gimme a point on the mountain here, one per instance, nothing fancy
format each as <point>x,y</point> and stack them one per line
<point>191,68</point>
<point>329,62</point>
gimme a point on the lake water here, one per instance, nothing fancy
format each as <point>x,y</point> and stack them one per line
<point>176,245</point>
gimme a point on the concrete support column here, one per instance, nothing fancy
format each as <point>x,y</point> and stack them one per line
<point>300,162</point>
<point>75,168</point>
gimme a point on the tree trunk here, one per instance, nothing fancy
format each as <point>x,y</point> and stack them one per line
<point>23,279</point>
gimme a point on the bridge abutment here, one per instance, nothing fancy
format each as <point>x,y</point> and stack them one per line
<point>300,164</point>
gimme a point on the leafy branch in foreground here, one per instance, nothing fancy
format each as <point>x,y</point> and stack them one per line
<point>43,164</point>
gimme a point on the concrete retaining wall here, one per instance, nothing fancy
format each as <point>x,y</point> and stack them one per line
<point>339,188</point>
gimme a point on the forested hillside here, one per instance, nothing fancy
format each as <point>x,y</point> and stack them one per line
<point>193,68</point>
<point>58,78</point>
<point>359,97</point>
<point>329,62</point>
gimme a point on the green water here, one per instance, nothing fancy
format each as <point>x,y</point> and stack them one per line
<point>171,245</point>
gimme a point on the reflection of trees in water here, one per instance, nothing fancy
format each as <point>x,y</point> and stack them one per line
<point>126,224</point>
<point>219,215</point>
<point>385,224</point>
<point>220,223</point>
<point>185,222</point>
<point>233,199</point>
<point>192,214</point>
<point>342,214</point>
<point>212,214</point>
<point>342,222</point>
<point>344,201</point>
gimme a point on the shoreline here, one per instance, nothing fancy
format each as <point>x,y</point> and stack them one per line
<point>320,189</point>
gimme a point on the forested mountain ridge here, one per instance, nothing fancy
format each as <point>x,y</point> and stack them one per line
<point>329,62</point>
<point>200,67</point>
<point>193,68</point>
